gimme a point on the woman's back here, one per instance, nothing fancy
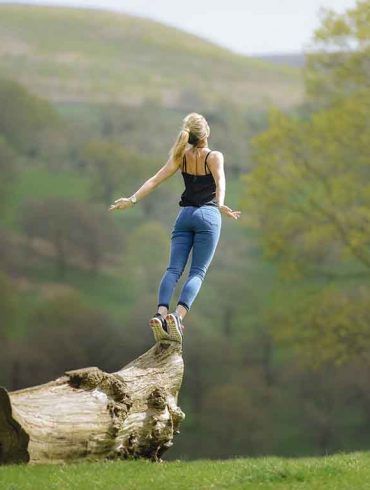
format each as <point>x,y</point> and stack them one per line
<point>200,186</point>
<point>195,161</point>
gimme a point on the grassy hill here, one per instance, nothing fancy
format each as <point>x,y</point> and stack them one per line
<point>80,55</point>
<point>294,59</point>
<point>347,471</point>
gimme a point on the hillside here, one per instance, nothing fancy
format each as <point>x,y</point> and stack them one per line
<point>81,55</point>
<point>289,59</point>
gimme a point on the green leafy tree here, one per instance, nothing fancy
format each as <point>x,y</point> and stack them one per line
<point>308,191</point>
<point>8,171</point>
<point>8,305</point>
<point>308,195</point>
<point>338,63</point>
<point>111,167</point>
<point>23,116</point>
<point>8,322</point>
<point>78,232</point>
<point>63,333</point>
<point>146,256</point>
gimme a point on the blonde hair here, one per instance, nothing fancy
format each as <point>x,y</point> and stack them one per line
<point>194,128</point>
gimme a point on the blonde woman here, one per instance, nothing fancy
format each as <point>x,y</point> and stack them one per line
<point>198,223</point>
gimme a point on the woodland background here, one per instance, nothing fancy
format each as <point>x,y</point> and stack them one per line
<point>277,343</point>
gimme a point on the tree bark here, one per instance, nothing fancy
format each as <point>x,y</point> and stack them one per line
<point>88,414</point>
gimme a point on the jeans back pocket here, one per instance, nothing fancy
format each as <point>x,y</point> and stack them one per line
<point>211,215</point>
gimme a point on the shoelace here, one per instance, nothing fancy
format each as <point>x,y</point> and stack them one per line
<point>163,321</point>
<point>179,321</point>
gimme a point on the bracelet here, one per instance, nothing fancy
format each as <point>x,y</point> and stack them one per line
<point>133,199</point>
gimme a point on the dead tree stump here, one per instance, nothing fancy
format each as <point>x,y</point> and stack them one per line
<point>88,414</point>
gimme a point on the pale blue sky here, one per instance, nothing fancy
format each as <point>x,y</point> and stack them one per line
<point>245,26</point>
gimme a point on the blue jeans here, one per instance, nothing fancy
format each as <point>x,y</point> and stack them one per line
<point>196,228</point>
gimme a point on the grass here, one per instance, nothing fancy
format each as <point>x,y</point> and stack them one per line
<point>342,471</point>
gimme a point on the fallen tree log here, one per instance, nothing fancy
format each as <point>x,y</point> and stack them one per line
<point>88,414</point>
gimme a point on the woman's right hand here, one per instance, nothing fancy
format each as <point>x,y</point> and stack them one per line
<point>121,203</point>
<point>229,212</point>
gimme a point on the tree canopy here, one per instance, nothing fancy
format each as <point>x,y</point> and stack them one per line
<point>308,193</point>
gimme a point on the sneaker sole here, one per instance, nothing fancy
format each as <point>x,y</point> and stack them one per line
<point>175,334</point>
<point>157,329</point>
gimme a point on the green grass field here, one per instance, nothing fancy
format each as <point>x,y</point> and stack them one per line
<point>342,471</point>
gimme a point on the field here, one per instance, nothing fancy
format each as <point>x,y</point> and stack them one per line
<point>342,471</point>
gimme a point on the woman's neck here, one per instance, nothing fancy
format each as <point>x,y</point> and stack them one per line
<point>201,144</point>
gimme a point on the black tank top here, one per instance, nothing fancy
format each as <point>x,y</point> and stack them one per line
<point>199,189</point>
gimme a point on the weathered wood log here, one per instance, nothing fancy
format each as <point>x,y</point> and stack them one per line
<point>90,414</point>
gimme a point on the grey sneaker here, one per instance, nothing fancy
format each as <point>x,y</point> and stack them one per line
<point>159,327</point>
<point>175,326</point>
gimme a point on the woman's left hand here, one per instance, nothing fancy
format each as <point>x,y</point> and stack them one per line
<point>229,212</point>
<point>121,203</point>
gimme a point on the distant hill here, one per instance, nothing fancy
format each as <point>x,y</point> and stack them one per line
<point>81,55</point>
<point>294,59</point>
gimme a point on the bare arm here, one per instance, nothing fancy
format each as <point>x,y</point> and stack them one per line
<point>163,174</point>
<point>216,166</point>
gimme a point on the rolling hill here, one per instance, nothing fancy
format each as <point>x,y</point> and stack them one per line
<point>84,55</point>
<point>289,59</point>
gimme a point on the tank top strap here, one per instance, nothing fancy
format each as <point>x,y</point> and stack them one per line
<point>205,163</point>
<point>184,163</point>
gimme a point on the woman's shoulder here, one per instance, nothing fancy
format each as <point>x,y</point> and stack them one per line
<point>215,153</point>
<point>215,156</point>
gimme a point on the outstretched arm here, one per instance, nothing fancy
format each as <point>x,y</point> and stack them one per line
<point>216,166</point>
<point>163,173</point>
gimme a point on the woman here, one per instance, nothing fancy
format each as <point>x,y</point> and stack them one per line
<point>198,223</point>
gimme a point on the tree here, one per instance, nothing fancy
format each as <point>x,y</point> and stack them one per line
<point>337,66</point>
<point>111,168</point>
<point>120,415</point>
<point>96,236</point>
<point>146,256</point>
<point>90,414</point>
<point>63,331</point>
<point>8,323</point>
<point>23,115</point>
<point>8,171</point>
<point>75,230</point>
<point>308,189</point>
<point>309,197</point>
<point>8,305</point>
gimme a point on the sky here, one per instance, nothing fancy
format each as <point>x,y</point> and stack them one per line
<point>250,27</point>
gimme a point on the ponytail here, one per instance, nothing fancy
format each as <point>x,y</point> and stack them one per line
<point>194,129</point>
<point>178,149</point>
